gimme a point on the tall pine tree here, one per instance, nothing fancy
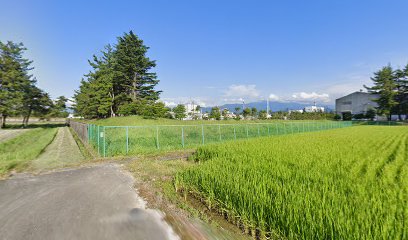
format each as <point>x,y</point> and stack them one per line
<point>14,79</point>
<point>385,85</point>
<point>121,81</point>
<point>401,80</point>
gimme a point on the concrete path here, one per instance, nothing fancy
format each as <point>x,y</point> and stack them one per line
<point>10,133</point>
<point>62,151</point>
<point>90,203</point>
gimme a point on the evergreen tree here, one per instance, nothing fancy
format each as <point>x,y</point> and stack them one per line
<point>401,76</point>
<point>215,113</point>
<point>246,112</point>
<point>254,112</point>
<point>262,115</point>
<point>132,68</point>
<point>384,85</point>
<point>180,112</point>
<point>59,108</point>
<point>120,83</point>
<point>35,101</point>
<point>14,79</point>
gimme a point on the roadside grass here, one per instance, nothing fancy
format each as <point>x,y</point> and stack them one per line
<point>16,153</point>
<point>87,151</point>
<point>154,174</point>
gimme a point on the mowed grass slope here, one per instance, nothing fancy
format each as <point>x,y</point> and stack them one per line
<point>349,183</point>
<point>17,152</point>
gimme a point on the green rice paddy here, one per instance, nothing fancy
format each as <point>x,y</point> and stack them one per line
<point>349,183</point>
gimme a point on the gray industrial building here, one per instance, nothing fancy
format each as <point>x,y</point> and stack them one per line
<point>356,103</point>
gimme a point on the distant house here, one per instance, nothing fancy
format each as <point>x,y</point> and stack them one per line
<point>295,111</point>
<point>356,103</point>
<point>308,109</point>
<point>314,108</point>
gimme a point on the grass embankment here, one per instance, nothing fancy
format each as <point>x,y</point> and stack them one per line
<point>15,154</point>
<point>339,184</point>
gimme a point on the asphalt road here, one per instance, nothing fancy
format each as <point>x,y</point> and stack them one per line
<point>89,203</point>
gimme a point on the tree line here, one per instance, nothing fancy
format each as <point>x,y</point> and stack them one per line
<point>121,82</point>
<point>19,94</point>
<point>391,85</point>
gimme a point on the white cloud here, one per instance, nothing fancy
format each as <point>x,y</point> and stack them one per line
<point>313,96</point>
<point>274,97</point>
<point>242,91</point>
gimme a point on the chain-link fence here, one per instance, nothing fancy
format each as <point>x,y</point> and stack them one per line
<point>124,140</point>
<point>81,130</point>
<point>378,123</point>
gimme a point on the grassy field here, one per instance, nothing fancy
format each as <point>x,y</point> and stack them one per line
<point>16,153</point>
<point>136,135</point>
<point>140,121</point>
<point>347,183</point>
<point>130,140</point>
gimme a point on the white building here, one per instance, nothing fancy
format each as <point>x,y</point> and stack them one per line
<point>191,112</point>
<point>314,108</point>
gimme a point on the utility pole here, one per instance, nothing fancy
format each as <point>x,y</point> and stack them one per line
<point>267,107</point>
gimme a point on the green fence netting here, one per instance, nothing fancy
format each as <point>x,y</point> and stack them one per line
<point>130,140</point>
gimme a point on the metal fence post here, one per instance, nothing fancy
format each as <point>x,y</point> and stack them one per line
<point>235,135</point>
<point>258,130</point>
<point>127,139</point>
<point>277,130</point>
<point>202,132</point>
<point>182,136</point>
<point>99,135</point>
<point>104,142</point>
<point>268,130</point>
<point>247,131</point>
<point>219,132</point>
<point>157,137</point>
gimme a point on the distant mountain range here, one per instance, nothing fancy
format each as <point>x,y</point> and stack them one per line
<point>273,106</point>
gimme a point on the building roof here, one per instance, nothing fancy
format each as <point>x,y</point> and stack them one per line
<point>357,92</point>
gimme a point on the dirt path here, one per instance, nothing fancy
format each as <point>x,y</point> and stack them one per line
<point>97,202</point>
<point>62,151</point>
<point>9,134</point>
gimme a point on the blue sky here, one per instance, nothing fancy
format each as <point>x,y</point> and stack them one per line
<point>218,51</point>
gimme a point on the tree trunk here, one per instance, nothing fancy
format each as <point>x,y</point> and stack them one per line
<point>111,106</point>
<point>135,86</point>
<point>27,118</point>
<point>3,123</point>
<point>24,120</point>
